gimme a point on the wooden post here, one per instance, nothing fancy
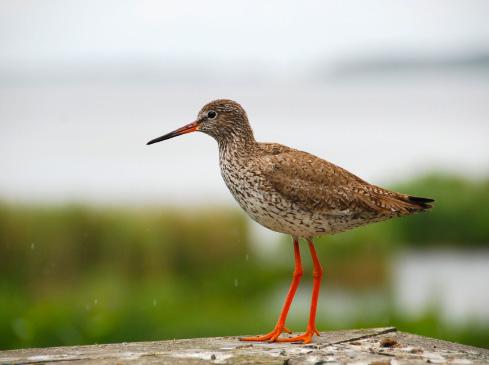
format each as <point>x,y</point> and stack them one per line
<point>375,346</point>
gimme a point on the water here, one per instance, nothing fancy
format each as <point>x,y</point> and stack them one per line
<point>86,140</point>
<point>454,283</point>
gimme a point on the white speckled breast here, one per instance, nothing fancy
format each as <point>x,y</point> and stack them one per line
<point>262,203</point>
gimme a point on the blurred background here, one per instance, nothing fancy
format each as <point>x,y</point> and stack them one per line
<point>104,239</point>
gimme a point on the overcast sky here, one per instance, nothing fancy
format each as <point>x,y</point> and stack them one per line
<point>276,35</point>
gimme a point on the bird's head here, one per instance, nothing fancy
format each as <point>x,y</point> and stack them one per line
<point>222,119</point>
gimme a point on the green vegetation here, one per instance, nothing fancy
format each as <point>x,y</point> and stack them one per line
<point>79,275</point>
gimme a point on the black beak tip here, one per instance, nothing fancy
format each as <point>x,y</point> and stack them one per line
<point>159,139</point>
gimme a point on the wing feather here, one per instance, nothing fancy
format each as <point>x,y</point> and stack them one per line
<point>315,184</point>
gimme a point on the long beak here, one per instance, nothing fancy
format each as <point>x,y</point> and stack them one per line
<point>191,127</point>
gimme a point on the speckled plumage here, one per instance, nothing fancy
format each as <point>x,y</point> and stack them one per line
<point>294,192</point>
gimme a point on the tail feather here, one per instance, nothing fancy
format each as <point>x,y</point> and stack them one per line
<point>423,203</point>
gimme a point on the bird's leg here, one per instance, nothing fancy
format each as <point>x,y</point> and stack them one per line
<point>317,276</point>
<point>280,326</point>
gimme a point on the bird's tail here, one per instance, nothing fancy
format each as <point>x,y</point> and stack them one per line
<point>420,203</point>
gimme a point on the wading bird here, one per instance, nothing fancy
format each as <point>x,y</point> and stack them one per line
<point>292,192</point>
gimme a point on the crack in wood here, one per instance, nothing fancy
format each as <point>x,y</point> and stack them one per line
<point>362,337</point>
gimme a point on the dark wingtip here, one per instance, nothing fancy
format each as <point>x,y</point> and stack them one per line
<point>422,202</point>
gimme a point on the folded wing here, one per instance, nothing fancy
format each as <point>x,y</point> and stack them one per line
<point>315,184</point>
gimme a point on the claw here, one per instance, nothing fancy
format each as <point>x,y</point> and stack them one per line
<point>270,337</point>
<point>304,338</point>
<point>274,336</point>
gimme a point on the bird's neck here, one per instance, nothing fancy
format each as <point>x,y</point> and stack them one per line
<point>237,144</point>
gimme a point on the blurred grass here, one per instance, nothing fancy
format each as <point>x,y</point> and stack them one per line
<point>76,274</point>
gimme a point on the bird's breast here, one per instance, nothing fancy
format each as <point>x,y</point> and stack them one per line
<point>259,200</point>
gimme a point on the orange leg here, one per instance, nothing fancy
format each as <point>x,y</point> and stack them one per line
<point>311,326</point>
<point>280,326</point>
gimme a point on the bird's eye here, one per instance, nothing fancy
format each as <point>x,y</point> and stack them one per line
<point>211,114</point>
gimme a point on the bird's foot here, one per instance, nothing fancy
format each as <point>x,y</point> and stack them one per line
<point>304,338</point>
<point>270,337</point>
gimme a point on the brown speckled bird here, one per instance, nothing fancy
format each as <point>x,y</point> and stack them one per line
<point>292,192</point>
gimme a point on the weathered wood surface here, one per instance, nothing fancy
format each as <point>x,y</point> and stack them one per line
<point>366,346</point>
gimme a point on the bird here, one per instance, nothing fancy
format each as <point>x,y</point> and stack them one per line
<point>292,192</point>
